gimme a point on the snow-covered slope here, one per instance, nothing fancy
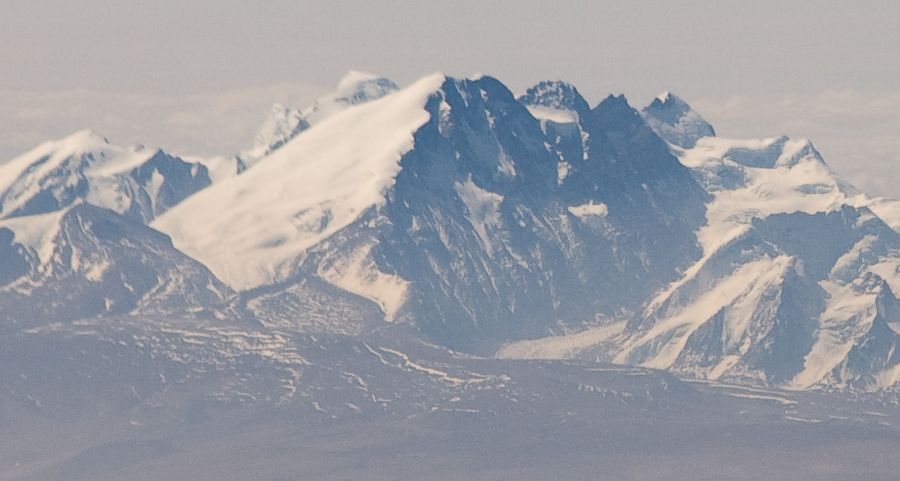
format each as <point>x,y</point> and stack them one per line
<point>255,226</point>
<point>885,208</point>
<point>137,182</point>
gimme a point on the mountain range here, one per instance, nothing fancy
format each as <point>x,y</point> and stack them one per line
<point>495,235</point>
<point>534,225</point>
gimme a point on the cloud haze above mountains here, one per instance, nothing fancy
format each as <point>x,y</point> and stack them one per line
<point>199,78</point>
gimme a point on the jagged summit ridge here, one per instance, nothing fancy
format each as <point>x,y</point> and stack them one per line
<point>555,100</point>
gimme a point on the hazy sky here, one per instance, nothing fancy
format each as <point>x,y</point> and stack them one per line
<point>198,76</point>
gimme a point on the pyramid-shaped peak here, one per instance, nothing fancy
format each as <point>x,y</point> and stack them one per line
<point>616,105</point>
<point>675,121</point>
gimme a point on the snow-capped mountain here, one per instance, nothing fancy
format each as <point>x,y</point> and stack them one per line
<point>137,182</point>
<point>507,285</point>
<point>537,225</point>
<point>447,210</point>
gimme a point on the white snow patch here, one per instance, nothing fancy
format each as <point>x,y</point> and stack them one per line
<point>37,232</point>
<point>358,274</point>
<point>156,182</point>
<point>888,268</point>
<point>560,116</point>
<point>437,374</point>
<point>96,270</point>
<point>588,210</point>
<point>483,208</point>
<point>109,192</point>
<point>218,168</point>
<point>567,346</point>
<point>888,378</point>
<point>803,420</point>
<point>562,171</point>
<point>886,209</point>
<point>507,166</point>
<point>723,366</point>
<point>780,400</point>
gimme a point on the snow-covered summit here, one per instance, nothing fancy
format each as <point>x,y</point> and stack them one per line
<point>354,78</point>
<point>615,109</point>
<point>284,123</point>
<point>358,87</point>
<point>555,100</point>
<point>51,154</point>
<point>137,181</point>
<point>675,121</point>
<point>353,89</point>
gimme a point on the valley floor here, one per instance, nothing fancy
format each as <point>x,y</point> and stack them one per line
<point>212,404</point>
